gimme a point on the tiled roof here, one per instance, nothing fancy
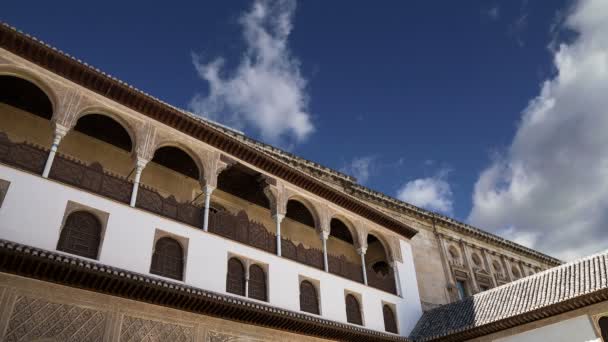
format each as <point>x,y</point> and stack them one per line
<point>554,291</point>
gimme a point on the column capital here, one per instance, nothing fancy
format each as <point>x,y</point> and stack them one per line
<point>208,189</point>
<point>361,250</point>
<point>324,235</point>
<point>278,217</point>
<point>277,197</point>
<point>60,130</point>
<point>140,162</point>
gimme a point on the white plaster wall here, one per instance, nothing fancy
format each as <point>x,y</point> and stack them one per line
<point>34,207</point>
<point>578,329</point>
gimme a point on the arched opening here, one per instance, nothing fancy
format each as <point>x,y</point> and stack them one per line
<point>390,323</point>
<point>168,259</point>
<point>603,324</point>
<point>300,239</point>
<point>257,283</point>
<point>379,273</point>
<point>342,257</point>
<point>477,261</point>
<point>98,138</point>
<point>235,279</point>
<point>25,113</point>
<point>353,310</point>
<point>309,301</point>
<point>172,172</point>
<point>497,269</point>
<point>515,272</point>
<point>81,235</point>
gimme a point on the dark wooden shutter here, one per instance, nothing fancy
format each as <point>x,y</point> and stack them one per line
<point>81,235</point>
<point>309,302</point>
<point>390,324</point>
<point>257,283</point>
<point>353,310</point>
<point>235,280</point>
<point>168,259</point>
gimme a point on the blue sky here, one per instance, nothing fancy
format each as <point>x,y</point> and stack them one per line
<point>419,99</point>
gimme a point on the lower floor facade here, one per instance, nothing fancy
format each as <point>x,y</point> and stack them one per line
<point>34,310</point>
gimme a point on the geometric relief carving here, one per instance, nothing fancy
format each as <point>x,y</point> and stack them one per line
<point>38,319</point>
<point>213,336</point>
<point>138,329</point>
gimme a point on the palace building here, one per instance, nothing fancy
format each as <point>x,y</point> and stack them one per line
<point>124,218</point>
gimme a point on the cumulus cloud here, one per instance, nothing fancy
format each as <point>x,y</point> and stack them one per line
<point>266,91</point>
<point>433,193</point>
<point>360,168</point>
<point>550,188</point>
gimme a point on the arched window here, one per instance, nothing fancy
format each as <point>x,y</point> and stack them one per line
<point>257,283</point>
<point>22,94</point>
<point>603,323</point>
<point>235,280</point>
<point>390,324</point>
<point>353,310</point>
<point>81,235</point>
<point>168,259</point>
<point>309,302</point>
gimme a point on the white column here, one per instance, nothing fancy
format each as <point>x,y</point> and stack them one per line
<point>207,189</point>
<point>247,264</point>
<point>277,219</point>
<point>397,278</point>
<point>139,167</point>
<point>324,236</point>
<point>361,252</point>
<point>60,132</point>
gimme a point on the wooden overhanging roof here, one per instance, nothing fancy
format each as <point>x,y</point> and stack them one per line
<point>71,271</point>
<point>88,77</point>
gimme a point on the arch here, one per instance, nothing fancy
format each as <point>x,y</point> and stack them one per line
<point>130,126</point>
<point>302,211</point>
<point>603,324</point>
<point>353,310</point>
<point>168,258</point>
<point>81,235</point>
<point>107,129</point>
<point>178,160</point>
<point>390,323</point>
<point>27,75</point>
<point>257,283</point>
<point>309,301</point>
<point>25,95</point>
<point>245,183</point>
<point>381,268</point>
<point>373,238</point>
<point>343,230</point>
<point>235,278</point>
<point>177,144</point>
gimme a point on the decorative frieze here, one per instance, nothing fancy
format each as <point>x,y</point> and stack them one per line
<point>135,329</point>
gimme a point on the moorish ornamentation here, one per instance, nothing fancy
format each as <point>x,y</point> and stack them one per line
<point>135,329</point>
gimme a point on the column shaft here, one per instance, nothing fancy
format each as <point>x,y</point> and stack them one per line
<point>277,219</point>
<point>324,236</point>
<point>138,170</point>
<point>208,190</point>
<point>363,267</point>
<point>59,133</point>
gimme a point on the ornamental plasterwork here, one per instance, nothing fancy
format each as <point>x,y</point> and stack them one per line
<point>135,329</point>
<point>213,336</point>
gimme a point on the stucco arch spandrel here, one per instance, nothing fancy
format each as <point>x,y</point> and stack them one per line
<point>213,164</point>
<point>53,90</point>
<point>277,196</point>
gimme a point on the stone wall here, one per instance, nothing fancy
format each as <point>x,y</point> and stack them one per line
<point>32,310</point>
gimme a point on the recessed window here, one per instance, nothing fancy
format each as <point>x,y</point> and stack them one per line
<point>353,310</point>
<point>168,259</point>
<point>309,301</point>
<point>257,283</point>
<point>81,235</point>
<point>235,280</point>
<point>461,286</point>
<point>390,323</point>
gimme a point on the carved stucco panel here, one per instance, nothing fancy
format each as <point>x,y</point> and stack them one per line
<point>35,319</point>
<point>135,329</point>
<point>213,336</point>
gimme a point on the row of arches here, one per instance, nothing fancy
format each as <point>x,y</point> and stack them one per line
<point>174,170</point>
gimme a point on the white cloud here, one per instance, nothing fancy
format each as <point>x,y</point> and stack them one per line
<point>360,168</point>
<point>550,189</point>
<point>433,193</point>
<point>266,91</point>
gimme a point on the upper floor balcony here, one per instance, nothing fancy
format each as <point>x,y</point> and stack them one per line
<point>101,155</point>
